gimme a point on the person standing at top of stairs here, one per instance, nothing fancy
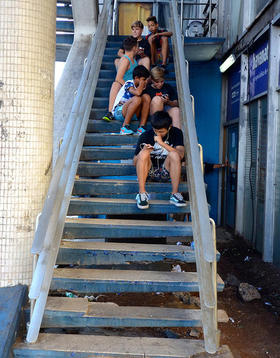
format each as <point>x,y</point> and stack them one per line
<point>143,53</point>
<point>158,156</point>
<point>131,102</point>
<point>158,40</point>
<point>125,70</point>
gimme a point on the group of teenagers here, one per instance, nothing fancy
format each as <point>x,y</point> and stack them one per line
<point>138,93</point>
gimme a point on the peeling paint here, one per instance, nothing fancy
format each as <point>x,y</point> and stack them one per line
<point>3,132</point>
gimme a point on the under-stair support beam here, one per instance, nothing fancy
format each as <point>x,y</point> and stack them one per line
<point>27,55</point>
<point>205,248</point>
<point>85,25</point>
<point>53,224</point>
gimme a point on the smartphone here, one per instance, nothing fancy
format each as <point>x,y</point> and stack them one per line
<point>149,146</point>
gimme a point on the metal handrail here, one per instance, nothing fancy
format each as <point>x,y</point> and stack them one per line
<point>189,129</point>
<point>205,249</point>
<point>53,216</point>
<point>115,15</point>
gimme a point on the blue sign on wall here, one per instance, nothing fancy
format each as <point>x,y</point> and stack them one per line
<point>258,70</point>
<point>233,100</point>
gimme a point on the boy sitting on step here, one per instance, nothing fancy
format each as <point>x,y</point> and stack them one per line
<point>158,40</point>
<point>124,73</point>
<point>163,96</point>
<point>158,156</point>
<point>143,52</point>
<point>131,101</point>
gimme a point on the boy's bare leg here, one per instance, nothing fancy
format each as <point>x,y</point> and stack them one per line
<point>153,51</point>
<point>116,86</point>
<point>145,61</point>
<point>143,164</point>
<point>145,109</point>
<point>173,165</point>
<point>117,62</point>
<point>174,113</point>
<point>156,105</point>
<point>164,49</point>
<point>130,108</point>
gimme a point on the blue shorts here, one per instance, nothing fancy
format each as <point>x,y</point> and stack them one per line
<point>119,116</point>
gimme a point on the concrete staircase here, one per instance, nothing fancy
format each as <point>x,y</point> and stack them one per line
<point>103,207</point>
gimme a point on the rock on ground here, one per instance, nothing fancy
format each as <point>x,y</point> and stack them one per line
<point>248,292</point>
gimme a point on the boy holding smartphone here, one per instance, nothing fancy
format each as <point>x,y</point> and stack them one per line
<point>163,96</point>
<point>158,157</point>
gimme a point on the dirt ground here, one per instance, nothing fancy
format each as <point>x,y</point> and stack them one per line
<point>253,330</point>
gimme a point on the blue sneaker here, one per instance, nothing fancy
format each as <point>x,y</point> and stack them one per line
<point>141,130</point>
<point>125,130</point>
<point>177,200</point>
<point>142,200</point>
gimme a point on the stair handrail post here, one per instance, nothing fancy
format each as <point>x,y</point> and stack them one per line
<point>49,245</point>
<point>115,16</point>
<point>205,250</point>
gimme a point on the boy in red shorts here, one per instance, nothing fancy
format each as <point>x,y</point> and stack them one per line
<point>158,40</point>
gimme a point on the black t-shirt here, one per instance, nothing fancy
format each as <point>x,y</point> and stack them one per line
<point>144,44</point>
<point>174,138</point>
<point>158,39</point>
<point>165,90</point>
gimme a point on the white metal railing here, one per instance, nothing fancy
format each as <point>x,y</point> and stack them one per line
<point>51,222</point>
<point>205,247</point>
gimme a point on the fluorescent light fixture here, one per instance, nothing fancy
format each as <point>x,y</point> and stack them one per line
<point>227,63</point>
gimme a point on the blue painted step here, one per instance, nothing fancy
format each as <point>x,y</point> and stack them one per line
<point>64,11</point>
<point>112,253</point>
<point>105,82</point>
<point>100,126</point>
<point>64,38</point>
<point>100,153</point>
<point>109,65</point>
<point>12,299</point>
<point>113,186</point>
<point>111,74</point>
<point>109,281</point>
<point>87,169</point>
<point>65,26</point>
<point>59,313</point>
<point>90,346</point>
<point>109,139</point>
<point>102,92</point>
<point>98,206</point>
<point>100,102</point>
<point>98,113</point>
<point>119,228</point>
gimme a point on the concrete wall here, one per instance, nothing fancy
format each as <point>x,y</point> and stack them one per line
<point>27,55</point>
<point>205,86</point>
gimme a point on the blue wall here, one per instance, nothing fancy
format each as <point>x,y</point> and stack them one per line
<point>205,86</point>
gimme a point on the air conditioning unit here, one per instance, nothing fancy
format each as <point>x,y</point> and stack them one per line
<point>195,29</point>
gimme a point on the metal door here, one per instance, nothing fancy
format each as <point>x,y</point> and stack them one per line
<point>231,175</point>
<point>130,12</point>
